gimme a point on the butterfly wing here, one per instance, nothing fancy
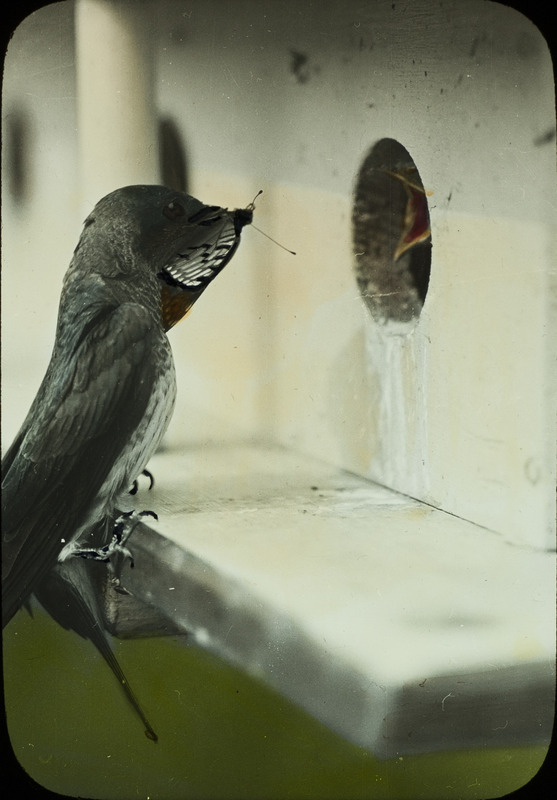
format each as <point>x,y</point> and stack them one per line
<point>209,248</point>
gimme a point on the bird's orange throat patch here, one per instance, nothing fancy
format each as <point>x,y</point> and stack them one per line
<point>175,304</point>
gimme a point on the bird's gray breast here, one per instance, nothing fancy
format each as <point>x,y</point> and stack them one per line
<point>152,427</point>
<point>143,441</point>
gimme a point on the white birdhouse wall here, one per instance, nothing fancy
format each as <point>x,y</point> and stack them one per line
<point>454,407</point>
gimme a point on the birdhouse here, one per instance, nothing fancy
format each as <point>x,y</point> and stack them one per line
<point>382,402</point>
<point>356,495</point>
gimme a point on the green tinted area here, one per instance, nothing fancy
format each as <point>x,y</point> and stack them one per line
<point>221,733</point>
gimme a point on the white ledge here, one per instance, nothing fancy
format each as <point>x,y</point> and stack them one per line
<point>403,628</point>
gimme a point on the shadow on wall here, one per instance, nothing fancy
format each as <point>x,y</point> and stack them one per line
<point>19,144</point>
<point>172,156</point>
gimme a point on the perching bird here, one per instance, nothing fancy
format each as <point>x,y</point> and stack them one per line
<point>145,256</point>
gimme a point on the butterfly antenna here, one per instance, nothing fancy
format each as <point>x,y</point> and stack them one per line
<point>273,240</point>
<point>251,207</point>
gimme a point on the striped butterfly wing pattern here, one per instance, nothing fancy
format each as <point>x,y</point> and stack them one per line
<point>214,240</point>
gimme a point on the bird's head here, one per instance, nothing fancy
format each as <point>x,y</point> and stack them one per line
<point>183,241</point>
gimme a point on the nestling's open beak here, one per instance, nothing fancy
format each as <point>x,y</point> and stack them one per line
<point>416,227</point>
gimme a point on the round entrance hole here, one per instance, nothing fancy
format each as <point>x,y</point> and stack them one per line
<point>391,234</point>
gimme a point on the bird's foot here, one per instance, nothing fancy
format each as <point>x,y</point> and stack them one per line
<point>123,528</point>
<point>135,484</point>
<point>115,552</point>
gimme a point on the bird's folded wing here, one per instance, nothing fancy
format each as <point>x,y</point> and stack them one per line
<point>87,409</point>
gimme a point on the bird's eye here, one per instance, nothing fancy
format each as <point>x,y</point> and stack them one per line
<point>173,210</point>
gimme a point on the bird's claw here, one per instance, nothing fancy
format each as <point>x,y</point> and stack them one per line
<point>115,552</point>
<point>135,484</point>
<point>121,532</point>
